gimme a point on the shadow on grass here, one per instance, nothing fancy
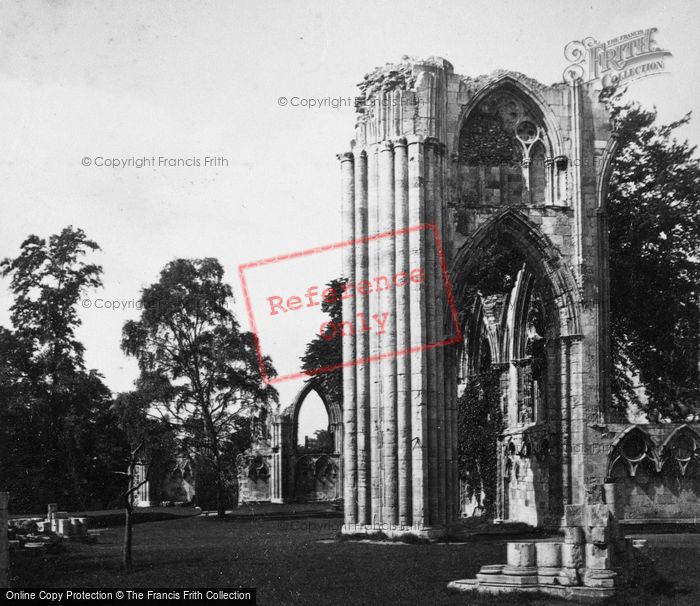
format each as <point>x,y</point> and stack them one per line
<point>109,519</point>
<point>654,592</point>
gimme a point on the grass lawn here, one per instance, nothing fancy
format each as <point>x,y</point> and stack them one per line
<point>287,564</point>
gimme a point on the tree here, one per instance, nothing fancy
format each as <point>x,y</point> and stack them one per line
<point>48,396</point>
<point>150,442</point>
<point>198,369</point>
<point>321,441</point>
<point>654,225</point>
<point>322,353</point>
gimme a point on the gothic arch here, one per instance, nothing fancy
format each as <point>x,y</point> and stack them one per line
<point>682,446</point>
<point>542,257</point>
<point>514,344</point>
<point>528,95</point>
<point>335,413</point>
<point>484,332</point>
<point>631,448</point>
<point>606,162</point>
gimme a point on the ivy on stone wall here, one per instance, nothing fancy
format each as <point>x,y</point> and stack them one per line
<point>486,142</point>
<point>480,423</point>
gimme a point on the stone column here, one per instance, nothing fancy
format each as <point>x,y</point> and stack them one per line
<point>348,465</point>
<point>576,132</point>
<point>4,546</point>
<point>577,422</point>
<point>522,563</point>
<point>565,402</point>
<point>403,334</point>
<point>340,485</point>
<point>548,562</point>
<point>549,192</point>
<point>453,434</point>
<point>434,464</point>
<point>444,445</point>
<point>387,336</point>
<point>418,336</point>
<point>276,469</point>
<point>362,344</point>
<point>143,496</point>
<point>287,460</point>
<point>527,193</point>
<point>374,366</point>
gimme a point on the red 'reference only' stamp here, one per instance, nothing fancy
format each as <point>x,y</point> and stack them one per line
<point>277,307</point>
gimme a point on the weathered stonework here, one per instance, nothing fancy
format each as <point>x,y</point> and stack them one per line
<point>172,483</point>
<point>592,563</point>
<point>498,162</point>
<point>494,159</point>
<point>275,470</point>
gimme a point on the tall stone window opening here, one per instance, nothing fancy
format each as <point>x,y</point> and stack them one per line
<point>502,155</point>
<point>313,426</point>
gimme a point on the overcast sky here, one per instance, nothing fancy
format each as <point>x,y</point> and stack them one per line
<point>182,79</point>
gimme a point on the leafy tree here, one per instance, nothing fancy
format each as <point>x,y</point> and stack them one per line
<point>654,221</point>
<point>151,443</point>
<point>321,441</point>
<point>197,368</point>
<point>321,353</point>
<point>49,399</point>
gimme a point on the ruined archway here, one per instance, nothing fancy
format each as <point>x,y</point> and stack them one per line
<point>333,411</point>
<point>518,301</point>
<point>301,473</point>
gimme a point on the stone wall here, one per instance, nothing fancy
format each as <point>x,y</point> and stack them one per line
<point>497,159</point>
<point>4,547</point>
<point>172,482</point>
<point>254,475</point>
<point>486,163</point>
<point>656,471</point>
<point>316,478</point>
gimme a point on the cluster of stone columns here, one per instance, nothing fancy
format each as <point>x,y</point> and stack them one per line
<point>399,385</point>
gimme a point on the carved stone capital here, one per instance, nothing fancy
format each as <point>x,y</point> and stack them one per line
<point>346,157</point>
<point>414,140</point>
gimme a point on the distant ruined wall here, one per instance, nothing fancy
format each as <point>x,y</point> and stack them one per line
<point>254,474</point>
<point>279,471</point>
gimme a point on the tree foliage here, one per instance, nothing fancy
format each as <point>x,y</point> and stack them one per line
<point>654,225</point>
<point>321,441</point>
<point>322,353</point>
<point>197,368</point>
<point>58,439</point>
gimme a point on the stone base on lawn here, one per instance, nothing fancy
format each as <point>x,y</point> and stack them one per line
<point>395,531</point>
<point>593,561</point>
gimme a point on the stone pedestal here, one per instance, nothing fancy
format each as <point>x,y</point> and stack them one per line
<point>521,566</point>
<point>579,568</point>
<point>548,561</point>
